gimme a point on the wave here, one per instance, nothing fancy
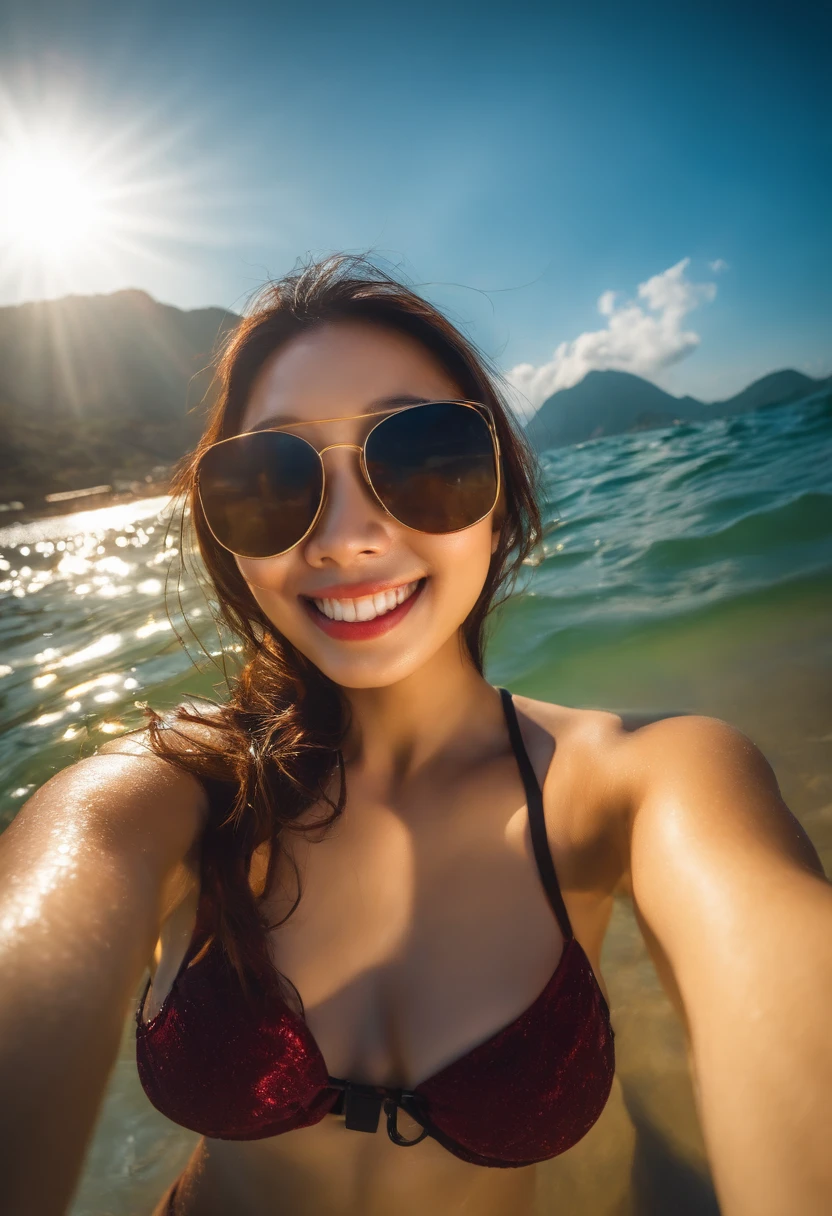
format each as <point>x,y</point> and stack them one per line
<point>804,520</point>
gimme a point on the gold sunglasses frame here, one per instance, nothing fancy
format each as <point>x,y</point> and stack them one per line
<point>383,416</point>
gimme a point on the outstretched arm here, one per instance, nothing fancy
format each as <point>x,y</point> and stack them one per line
<point>735,909</point>
<point>84,871</point>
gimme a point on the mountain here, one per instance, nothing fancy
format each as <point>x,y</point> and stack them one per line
<point>113,389</point>
<point>774,389</point>
<point>100,388</point>
<point>603,403</point>
<point>608,403</point>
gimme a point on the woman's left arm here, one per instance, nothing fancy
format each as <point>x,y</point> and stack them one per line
<point>732,900</point>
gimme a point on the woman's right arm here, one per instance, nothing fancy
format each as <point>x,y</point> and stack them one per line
<point>84,870</point>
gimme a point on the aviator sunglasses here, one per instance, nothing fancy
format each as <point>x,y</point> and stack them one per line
<point>434,467</point>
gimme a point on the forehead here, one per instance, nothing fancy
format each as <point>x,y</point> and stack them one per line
<point>340,369</point>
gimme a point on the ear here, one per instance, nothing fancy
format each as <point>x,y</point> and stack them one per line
<point>495,540</point>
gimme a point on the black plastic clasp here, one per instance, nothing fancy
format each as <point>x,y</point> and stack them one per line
<point>362,1107</point>
<point>391,1109</point>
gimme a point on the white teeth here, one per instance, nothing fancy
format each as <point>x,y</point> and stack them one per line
<point>366,607</point>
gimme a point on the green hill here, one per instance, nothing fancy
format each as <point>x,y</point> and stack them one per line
<point>100,389</point>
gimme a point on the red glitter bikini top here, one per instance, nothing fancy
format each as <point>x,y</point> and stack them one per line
<point>213,1064</point>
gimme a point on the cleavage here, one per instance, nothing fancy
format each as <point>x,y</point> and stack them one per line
<point>408,951</point>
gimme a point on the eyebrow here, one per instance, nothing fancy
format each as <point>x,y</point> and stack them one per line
<point>375,407</point>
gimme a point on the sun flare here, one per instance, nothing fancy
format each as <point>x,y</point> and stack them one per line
<point>92,202</point>
<point>79,202</point>
<point>50,202</point>
<point>53,200</point>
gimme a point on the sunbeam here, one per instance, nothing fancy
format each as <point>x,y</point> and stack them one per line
<point>82,202</point>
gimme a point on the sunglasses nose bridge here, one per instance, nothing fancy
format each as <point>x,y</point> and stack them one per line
<point>355,446</point>
<point>362,467</point>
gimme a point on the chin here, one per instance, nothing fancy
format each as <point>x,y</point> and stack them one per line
<point>367,671</point>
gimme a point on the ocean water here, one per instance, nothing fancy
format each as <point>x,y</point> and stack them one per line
<point>686,569</point>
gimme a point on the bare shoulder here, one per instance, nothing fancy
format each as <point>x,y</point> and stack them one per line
<point>119,829</point>
<point>178,794</point>
<point>662,769</point>
<point>124,801</point>
<point>603,765</point>
<point>562,739</point>
<point>577,755</point>
<point>705,779</point>
<point>569,726</point>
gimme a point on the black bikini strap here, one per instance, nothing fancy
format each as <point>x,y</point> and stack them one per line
<point>537,821</point>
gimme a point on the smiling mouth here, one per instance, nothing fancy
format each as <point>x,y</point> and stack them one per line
<point>366,607</point>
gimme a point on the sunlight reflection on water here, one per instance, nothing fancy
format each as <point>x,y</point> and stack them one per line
<point>87,631</point>
<point>81,523</point>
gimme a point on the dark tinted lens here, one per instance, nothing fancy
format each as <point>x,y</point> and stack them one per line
<point>260,493</point>
<point>434,466</point>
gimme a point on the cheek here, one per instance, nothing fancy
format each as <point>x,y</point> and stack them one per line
<point>460,563</point>
<point>267,581</point>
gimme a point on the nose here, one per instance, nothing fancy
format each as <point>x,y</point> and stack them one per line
<point>352,526</point>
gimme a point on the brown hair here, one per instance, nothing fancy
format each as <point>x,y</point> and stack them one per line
<point>275,744</point>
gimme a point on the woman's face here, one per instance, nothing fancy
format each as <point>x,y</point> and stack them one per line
<point>358,560</point>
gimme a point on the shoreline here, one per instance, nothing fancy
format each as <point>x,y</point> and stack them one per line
<point>82,501</point>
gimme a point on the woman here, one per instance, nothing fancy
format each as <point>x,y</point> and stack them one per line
<point>372,888</point>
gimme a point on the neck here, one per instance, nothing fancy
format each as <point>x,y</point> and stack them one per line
<point>443,707</point>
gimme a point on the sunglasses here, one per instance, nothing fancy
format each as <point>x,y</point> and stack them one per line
<point>434,467</point>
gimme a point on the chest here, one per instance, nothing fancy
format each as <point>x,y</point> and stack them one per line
<point>422,928</point>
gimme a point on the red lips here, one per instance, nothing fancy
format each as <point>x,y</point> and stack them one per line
<point>361,631</point>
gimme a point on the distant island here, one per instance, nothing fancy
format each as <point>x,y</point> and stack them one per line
<point>610,403</point>
<point>107,392</point>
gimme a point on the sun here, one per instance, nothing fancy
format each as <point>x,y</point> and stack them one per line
<point>55,200</point>
<point>81,201</point>
<point>91,201</point>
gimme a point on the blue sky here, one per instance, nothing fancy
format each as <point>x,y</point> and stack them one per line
<point>517,161</point>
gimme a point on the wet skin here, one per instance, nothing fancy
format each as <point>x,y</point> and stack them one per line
<point>423,927</point>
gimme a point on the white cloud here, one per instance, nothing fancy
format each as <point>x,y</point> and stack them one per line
<point>718,265</point>
<point>640,337</point>
<point>606,303</point>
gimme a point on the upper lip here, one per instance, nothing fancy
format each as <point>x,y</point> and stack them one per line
<point>357,591</point>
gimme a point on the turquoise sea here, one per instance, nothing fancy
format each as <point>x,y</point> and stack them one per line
<point>682,569</point>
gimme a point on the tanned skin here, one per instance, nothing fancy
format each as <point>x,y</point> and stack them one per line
<point>423,927</point>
